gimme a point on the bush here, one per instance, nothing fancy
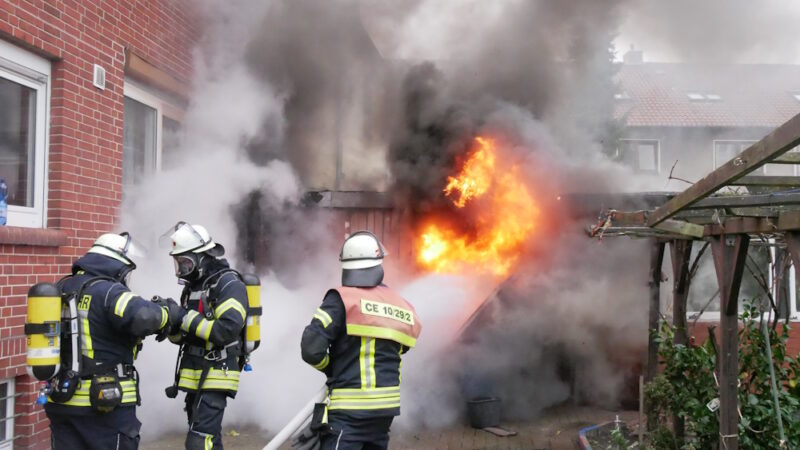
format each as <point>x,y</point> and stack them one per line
<point>687,385</point>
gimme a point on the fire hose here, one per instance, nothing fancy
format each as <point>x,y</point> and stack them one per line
<point>299,421</point>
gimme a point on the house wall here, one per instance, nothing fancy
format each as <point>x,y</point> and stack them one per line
<point>693,148</point>
<point>84,189</point>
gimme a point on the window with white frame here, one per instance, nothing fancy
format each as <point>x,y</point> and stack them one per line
<point>151,134</point>
<point>724,151</point>
<point>642,155</point>
<point>761,270</point>
<point>7,414</point>
<point>24,110</point>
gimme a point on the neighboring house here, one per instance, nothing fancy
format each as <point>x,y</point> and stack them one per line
<point>91,94</point>
<point>702,115</point>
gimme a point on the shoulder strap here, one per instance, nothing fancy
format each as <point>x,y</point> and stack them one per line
<point>216,276</point>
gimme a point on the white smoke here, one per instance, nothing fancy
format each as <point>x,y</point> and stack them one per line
<point>234,105</point>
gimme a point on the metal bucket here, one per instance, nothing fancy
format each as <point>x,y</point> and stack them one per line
<point>484,412</point>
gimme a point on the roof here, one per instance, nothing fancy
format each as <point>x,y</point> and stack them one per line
<point>723,95</point>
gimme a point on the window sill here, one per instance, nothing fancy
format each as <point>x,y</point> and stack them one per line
<point>39,237</point>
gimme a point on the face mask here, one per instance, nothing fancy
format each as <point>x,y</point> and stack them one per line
<point>184,265</point>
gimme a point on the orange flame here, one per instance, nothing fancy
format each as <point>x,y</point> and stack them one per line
<point>506,217</point>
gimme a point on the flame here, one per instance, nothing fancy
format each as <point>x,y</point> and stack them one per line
<point>506,216</point>
<point>476,176</point>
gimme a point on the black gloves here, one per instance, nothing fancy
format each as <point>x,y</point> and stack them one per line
<point>175,315</point>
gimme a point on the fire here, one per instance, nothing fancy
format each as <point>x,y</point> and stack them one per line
<point>505,217</point>
<point>476,176</point>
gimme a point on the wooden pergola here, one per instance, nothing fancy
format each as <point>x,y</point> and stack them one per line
<point>708,211</point>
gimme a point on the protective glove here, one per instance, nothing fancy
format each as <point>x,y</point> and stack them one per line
<point>175,314</point>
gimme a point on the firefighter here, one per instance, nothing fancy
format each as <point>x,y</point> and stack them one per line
<point>357,338</point>
<point>94,407</point>
<point>210,335</point>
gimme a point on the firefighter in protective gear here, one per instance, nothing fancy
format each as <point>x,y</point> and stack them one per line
<point>112,321</point>
<point>210,334</point>
<point>357,338</point>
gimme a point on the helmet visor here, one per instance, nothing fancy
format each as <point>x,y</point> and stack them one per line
<point>132,247</point>
<point>166,239</point>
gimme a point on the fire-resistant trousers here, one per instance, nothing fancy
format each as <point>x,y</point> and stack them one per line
<point>118,429</point>
<point>205,421</point>
<point>349,433</point>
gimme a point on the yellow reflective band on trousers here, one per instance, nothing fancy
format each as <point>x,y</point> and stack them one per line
<point>381,333</point>
<point>366,361</point>
<point>122,303</point>
<point>228,304</point>
<point>323,317</point>
<point>373,398</point>
<point>81,397</point>
<point>217,379</point>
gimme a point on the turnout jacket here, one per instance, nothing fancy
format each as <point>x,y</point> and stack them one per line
<point>217,308</point>
<point>357,338</point>
<point>112,321</point>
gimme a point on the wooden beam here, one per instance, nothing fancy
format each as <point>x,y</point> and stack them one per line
<point>766,180</point>
<point>139,69</point>
<point>681,254</point>
<point>771,146</point>
<point>786,221</point>
<point>656,260</point>
<point>746,201</point>
<point>730,253</point>
<point>787,158</point>
<point>681,227</point>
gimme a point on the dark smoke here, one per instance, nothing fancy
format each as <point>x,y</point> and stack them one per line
<point>547,64</point>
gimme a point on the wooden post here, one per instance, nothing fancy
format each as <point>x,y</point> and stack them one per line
<point>656,260</point>
<point>681,254</point>
<point>730,252</point>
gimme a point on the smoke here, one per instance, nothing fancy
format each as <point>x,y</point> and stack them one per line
<point>716,31</point>
<point>296,95</point>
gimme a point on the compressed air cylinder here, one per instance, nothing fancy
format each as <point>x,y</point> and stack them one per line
<point>253,326</point>
<point>43,329</point>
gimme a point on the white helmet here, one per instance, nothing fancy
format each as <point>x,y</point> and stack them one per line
<point>118,246</point>
<point>191,238</point>
<point>361,250</point>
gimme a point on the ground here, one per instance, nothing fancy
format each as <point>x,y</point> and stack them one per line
<point>557,429</point>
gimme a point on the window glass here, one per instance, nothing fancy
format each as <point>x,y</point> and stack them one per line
<point>4,407</point>
<point>138,142</point>
<point>171,143</point>
<point>642,156</point>
<point>17,141</point>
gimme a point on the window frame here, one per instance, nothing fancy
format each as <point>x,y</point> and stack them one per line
<point>794,311</point>
<point>163,106</point>
<point>34,72</point>
<point>658,154</point>
<point>11,395</point>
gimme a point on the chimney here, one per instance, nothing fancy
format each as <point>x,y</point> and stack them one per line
<point>633,56</point>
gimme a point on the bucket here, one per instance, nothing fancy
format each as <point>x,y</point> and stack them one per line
<point>484,412</point>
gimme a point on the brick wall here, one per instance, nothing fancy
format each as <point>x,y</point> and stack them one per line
<point>85,148</point>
